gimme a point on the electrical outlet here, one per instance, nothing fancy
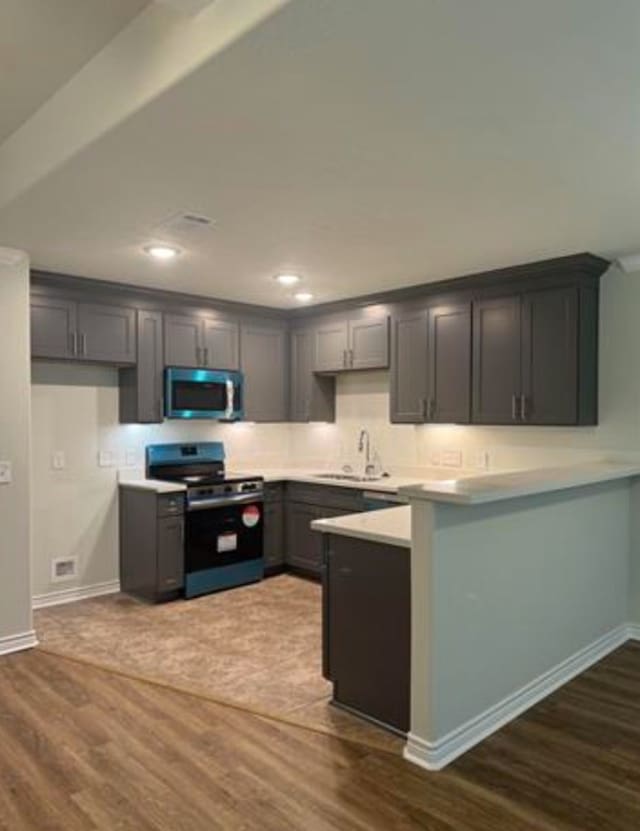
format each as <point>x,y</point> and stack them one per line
<point>105,458</point>
<point>6,473</point>
<point>58,461</point>
<point>451,458</point>
<point>131,458</point>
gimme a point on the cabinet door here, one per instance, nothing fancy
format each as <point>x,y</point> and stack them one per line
<point>182,340</point>
<point>332,344</point>
<point>170,565</point>
<point>369,343</point>
<point>496,360</point>
<point>221,339</point>
<point>550,356</point>
<point>265,367</point>
<point>53,328</point>
<point>150,368</point>
<point>107,333</point>
<point>449,363</point>
<point>304,546</point>
<point>408,378</point>
<point>274,538</point>
<point>302,360</point>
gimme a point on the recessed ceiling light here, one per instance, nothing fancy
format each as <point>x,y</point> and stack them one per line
<point>162,252</point>
<point>287,279</point>
<point>303,296</point>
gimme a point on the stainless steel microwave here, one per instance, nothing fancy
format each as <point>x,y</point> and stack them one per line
<point>203,393</point>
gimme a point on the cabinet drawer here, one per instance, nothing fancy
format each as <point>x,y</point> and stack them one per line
<point>347,499</point>
<point>170,504</point>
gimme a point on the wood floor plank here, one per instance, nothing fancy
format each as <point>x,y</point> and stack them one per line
<point>84,749</point>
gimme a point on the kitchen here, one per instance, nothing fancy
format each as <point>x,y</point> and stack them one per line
<point>369,481</point>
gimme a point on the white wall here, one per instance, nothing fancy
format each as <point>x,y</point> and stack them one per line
<point>15,435</point>
<point>75,410</point>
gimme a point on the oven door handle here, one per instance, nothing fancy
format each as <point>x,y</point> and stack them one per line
<point>205,504</point>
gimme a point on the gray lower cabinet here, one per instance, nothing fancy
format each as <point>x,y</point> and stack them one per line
<point>151,543</point>
<point>202,340</point>
<point>265,365</point>
<point>366,628</point>
<point>312,396</point>
<point>65,329</point>
<point>274,534</point>
<point>53,328</point>
<point>350,344</point>
<point>141,387</point>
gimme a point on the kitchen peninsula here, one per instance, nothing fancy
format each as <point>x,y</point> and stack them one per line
<point>518,582</point>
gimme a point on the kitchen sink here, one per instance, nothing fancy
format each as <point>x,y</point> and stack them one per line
<point>347,477</point>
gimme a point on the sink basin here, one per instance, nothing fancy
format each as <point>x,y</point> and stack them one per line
<point>347,477</point>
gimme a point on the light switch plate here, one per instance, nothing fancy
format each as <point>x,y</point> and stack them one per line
<point>6,473</point>
<point>105,458</point>
<point>58,461</point>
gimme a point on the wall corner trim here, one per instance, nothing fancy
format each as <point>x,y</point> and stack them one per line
<point>60,596</point>
<point>15,643</point>
<point>437,755</point>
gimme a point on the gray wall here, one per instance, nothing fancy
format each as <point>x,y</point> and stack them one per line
<point>15,429</point>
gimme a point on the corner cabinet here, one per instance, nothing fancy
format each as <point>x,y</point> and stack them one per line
<point>92,332</point>
<point>535,358</point>
<point>265,365</point>
<point>201,341</point>
<point>354,343</point>
<point>312,396</point>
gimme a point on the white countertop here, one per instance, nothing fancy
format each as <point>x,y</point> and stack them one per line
<point>140,483</point>
<point>494,487</point>
<point>388,525</point>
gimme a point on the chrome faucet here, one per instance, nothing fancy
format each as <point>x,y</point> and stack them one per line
<point>364,442</point>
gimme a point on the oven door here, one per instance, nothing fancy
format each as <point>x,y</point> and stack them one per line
<point>203,393</point>
<point>226,534</point>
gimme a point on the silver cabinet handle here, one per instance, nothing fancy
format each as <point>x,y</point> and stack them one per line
<point>523,407</point>
<point>83,344</point>
<point>514,407</point>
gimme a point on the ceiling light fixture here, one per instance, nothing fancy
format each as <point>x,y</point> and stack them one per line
<point>287,279</point>
<point>161,252</point>
<point>303,296</point>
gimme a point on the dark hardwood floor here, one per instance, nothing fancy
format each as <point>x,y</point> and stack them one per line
<point>82,748</point>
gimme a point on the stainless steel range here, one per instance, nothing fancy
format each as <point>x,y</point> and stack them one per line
<point>223,544</point>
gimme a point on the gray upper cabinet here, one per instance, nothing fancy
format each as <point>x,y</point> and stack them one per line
<point>182,336</point>
<point>197,340</point>
<point>221,341</point>
<point>369,342</point>
<point>357,343</point>
<point>496,360</point>
<point>408,379</point>
<point>431,364</point>
<point>106,333</point>
<point>312,396</point>
<point>53,328</point>
<point>265,365</point>
<point>449,363</point>
<point>141,392</point>
<point>64,329</point>
<point>332,345</point>
<point>550,357</point>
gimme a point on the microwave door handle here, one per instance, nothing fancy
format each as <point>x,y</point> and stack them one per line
<point>230,397</point>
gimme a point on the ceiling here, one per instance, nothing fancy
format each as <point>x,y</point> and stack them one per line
<point>367,145</point>
<point>43,43</point>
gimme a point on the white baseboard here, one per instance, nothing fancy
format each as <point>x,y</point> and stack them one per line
<point>40,601</point>
<point>14,643</point>
<point>438,754</point>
